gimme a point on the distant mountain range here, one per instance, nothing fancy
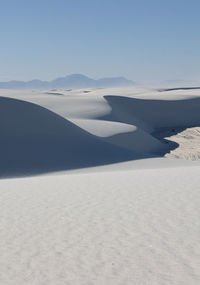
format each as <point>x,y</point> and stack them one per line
<point>74,81</point>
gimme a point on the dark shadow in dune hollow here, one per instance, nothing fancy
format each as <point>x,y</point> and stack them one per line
<point>162,133</point>
<point>160,118</point>
<point>34,140</point>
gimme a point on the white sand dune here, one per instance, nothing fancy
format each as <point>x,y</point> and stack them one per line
<point>108,207</point>
<point>34,140</point>
<point>123,135</point>
<point>184,143</point>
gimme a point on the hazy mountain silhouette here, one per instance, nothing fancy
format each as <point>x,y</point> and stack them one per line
<point>70,81</point>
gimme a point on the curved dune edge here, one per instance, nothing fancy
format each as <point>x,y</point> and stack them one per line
<point>188,141</point>
<point>124,135</point>
<point>42,134</point>
<point>35,140</point>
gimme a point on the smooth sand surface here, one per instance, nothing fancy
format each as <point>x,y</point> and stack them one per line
<point>105,206</point>
<point>129,227</point>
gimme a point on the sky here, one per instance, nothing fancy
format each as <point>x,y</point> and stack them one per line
<point>143,40</point>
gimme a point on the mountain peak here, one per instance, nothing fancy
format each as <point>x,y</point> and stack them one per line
<point>73,81</point>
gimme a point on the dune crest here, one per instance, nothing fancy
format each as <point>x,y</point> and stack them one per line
<point>41,133</point>
<point>36,140</point>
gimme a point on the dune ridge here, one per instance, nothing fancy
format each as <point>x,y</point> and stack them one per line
<point>41,133</point>
<point>36,140</point>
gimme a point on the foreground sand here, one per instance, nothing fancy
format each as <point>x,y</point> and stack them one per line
<point>117,216</point>
<point>133,227</point>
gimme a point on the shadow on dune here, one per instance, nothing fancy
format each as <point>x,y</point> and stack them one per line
<point>54,93</point>
<point>153,114</point>
<point>34,140</point>
<point>178,88</point>
<point>160,118</point>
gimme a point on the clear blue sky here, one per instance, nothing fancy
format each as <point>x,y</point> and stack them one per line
<point>138,39</point>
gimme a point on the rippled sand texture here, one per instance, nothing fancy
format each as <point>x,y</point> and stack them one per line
<point>188,142</point>
<point>129,227</point>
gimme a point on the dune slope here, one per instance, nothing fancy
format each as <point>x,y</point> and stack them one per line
<point>36,140</point>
